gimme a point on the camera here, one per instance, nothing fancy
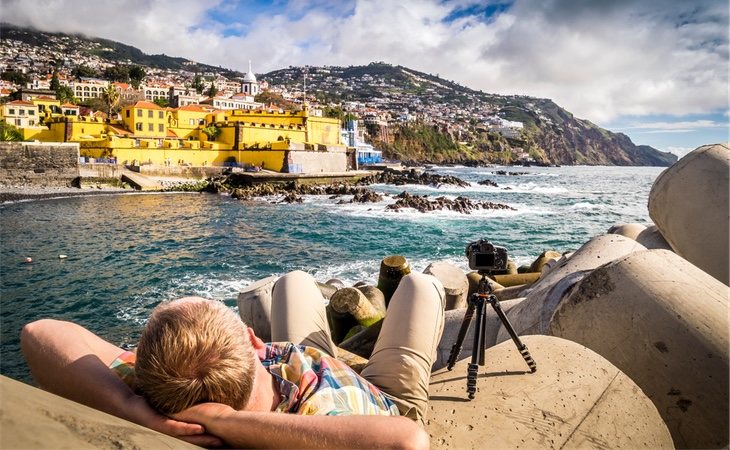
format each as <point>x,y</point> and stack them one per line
<point>485,256</point>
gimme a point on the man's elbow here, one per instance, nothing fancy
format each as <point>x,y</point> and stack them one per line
<point>416,438</point>
<point>420,440</point>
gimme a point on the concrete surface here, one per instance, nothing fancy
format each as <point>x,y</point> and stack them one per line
<point>576,399</point>
<point>34,419</point>
<point>664,323</point>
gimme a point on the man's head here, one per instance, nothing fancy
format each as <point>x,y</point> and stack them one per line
<point>192,351</point>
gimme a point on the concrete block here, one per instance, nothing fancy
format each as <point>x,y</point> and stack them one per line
<point>629,230</point>
<point>664,323</point>
<point>576,399</point>
<point>533,315</point>
<point>32,418</point>
<point>652,238</point>
<point>455,283</point>
<point>689,204</point>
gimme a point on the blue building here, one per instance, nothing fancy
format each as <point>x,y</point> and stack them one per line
<point>366,154</point>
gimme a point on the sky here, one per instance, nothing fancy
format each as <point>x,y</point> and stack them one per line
<point>656,70</point>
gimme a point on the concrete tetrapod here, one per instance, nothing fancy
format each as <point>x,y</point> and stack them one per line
<point>33,418</point>
<point>689,204</point>
<point>576,399</point>
<point>664,323</point>
<point>455,283</point>
<point>533,315</point>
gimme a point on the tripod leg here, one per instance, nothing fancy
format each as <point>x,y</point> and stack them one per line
<point>456,348</point>
<point>520,346</point>
<point>482,336</point>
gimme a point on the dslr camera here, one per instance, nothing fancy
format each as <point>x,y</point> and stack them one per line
<point>485,256</point>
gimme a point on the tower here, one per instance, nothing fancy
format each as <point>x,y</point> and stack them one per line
<point>249,85</point>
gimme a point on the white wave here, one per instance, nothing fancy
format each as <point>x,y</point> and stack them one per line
<point>585,205</point>
<point>533,188</point>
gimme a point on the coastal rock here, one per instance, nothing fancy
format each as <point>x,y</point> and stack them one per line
<point>422,203</point>
<point>576,399</point>
<point>689,204</point>
<point>400,178</point>
<point>487,182</point>
<point>664,323</point>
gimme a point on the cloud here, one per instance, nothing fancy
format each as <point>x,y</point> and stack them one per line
<point>680,125</point>
<point>599,59</point>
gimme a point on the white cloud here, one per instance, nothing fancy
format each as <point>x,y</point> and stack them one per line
<point>598,59</point>
<point>680,125</point>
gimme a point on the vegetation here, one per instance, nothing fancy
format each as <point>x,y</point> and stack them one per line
<point>15,77</point>
<point>9,132</point>
<point>84,71</point>
<point>110,96</point>
<point>162,102</point>
<point>212,132</point>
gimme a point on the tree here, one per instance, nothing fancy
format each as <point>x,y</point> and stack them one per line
<point>212,132</point>
<point>163,102</point>
<point>8,132</point>
<point>15,77</point>
<point>136,75</point>
<point>84,71</point>
<point>213,90</point>
<point>116,73</point>
<point>110,96</point>
<point>66,95</point>
<point>198,84</point>
<point>55,84</point>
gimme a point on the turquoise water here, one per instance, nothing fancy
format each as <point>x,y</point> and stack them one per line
<point>127,253</point>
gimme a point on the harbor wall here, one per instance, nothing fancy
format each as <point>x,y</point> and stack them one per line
<point>38,164</point>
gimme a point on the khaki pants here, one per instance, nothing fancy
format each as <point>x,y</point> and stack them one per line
<point>404,352</point>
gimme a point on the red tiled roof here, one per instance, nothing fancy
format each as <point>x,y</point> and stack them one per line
<point>194,107</point>
<point>171,134</point>
<point>118,130</point>
<point>146,105</point>
<point>69,105</point>
<point>20,102</point>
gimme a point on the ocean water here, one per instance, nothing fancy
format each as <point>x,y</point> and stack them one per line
<point>127,253</point>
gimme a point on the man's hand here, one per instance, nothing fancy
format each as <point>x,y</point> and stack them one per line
<point>142,413</point>
<point>205,414</point>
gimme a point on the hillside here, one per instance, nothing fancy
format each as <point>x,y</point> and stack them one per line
<point>551,135</point>
<point>430,119</point>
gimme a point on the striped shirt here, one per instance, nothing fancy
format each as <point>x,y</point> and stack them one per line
<point>314,383</point>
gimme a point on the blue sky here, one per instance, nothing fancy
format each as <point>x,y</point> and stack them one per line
<point>654,70</point>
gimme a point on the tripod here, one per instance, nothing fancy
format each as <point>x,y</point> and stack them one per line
<point>476,301</point>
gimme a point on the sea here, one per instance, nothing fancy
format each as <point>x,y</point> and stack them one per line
<point>127,253</point>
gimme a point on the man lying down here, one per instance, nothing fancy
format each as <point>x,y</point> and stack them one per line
<point>201,375</point>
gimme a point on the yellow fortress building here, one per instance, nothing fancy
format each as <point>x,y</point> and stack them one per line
<point>198,135</point>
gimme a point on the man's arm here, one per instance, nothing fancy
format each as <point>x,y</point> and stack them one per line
<point>246,429</point>
<point>69,360</point>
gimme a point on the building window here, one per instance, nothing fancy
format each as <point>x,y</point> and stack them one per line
<point>139,113</point>
<point>161,115</point>
<point>31,112</point>
<point>21,112</point>
<point>161,127</point>
<point>150,127</point>
<point>192,121</point>
<point>127,113</point>
<point>138,126</point>
<point>17,122</point>
<point>11,112</point>
<point>150,113</point>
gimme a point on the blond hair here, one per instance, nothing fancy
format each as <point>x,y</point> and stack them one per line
<point>192,351</point>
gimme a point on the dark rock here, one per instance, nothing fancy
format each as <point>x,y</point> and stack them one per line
<point>487,182</point>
